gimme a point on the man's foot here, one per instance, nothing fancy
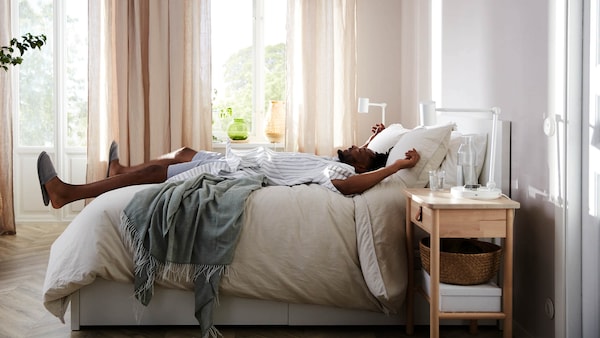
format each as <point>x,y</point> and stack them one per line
<point>46,172</point>
<point>113,154</point>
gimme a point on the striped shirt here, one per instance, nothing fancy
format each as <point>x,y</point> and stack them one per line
<point>280,168</point>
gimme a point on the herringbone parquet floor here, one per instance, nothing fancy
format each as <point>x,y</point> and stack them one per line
<point>23,260</point>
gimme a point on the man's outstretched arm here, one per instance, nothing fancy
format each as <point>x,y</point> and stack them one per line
<point>358,184</point>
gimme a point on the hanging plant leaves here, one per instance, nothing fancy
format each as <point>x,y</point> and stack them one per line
<point>28,41</point>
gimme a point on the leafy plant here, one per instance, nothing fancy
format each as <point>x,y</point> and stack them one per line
<point>27,41</point>
<point>226,113</point>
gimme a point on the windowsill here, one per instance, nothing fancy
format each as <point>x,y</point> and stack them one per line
<point>250,143</point>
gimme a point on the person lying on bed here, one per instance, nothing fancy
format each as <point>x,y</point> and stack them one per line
<point>354,171</point>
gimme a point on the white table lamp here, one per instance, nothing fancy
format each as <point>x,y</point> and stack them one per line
<point>364,104</point>
<point>428,117</point>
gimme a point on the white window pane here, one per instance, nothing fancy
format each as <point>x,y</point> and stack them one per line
<point>76,72</point>
<point>275,38</point>
<point>275,21</point>
<point>36,77</point>
<point>231,61</point>
<point>274,69</point>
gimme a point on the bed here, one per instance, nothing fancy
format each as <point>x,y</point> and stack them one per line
<point>305,255</point>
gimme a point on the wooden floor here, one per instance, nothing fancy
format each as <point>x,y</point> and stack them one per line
<point>23,260</point>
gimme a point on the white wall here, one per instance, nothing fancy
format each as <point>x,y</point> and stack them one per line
<point>393,60</point>
<point>378,48</point>
<point>521,56</point>
<point>494,53</point>
<point>498,55</point>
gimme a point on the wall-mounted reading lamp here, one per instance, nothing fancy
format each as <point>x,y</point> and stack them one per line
<point>363,107</point>
<point>428,117</point>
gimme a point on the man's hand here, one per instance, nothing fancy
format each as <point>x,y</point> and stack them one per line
<point>411,158</point>
<point>378,128</point>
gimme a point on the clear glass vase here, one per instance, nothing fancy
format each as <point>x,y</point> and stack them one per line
<point>466,171</point>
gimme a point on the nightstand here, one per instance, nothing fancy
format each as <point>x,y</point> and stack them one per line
<point>443,216</point>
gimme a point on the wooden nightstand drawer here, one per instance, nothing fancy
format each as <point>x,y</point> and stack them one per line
<point>477,222</point>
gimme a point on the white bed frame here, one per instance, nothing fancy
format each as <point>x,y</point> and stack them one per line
<point>106,303</point>
<point>110,303</point>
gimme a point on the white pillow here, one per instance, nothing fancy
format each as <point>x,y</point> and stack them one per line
<point>387,138</point>
<point>449,163</point>
<point>432,145</point>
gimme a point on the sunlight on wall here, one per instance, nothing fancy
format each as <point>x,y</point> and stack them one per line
<point>436,51</point>
<point>594,113</point>
<point>556,104</point>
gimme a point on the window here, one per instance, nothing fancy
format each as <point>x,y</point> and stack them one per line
<point>248,62</point>
<point>50,97</point>
<point>52,82</point>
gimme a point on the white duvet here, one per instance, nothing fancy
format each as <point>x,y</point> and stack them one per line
<point>301,244</point>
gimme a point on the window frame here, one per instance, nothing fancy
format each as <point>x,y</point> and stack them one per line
<point>58,44</point>
<point>70,160</point>
<point>259,114</point>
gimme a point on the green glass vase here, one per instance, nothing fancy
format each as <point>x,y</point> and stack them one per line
<point>238,130</point>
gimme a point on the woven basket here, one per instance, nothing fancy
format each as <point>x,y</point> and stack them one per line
<point>463,261</point>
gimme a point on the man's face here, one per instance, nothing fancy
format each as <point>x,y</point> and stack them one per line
<point>360,158</point>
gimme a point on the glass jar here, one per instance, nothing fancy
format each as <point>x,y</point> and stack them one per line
<point>238,130</point>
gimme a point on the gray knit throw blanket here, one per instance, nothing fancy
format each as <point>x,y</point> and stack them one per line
<point>187,231</point>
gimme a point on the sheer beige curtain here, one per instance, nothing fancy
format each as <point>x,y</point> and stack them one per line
<point>7,214</point>
<point>321,52</point>
<point>149,79</point>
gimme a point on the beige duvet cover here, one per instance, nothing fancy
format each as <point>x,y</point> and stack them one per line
<point>300,244</point>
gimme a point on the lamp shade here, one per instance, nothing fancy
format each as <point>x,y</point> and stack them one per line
<point>363,105</point>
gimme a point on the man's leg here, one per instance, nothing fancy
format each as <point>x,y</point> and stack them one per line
<point>178,156</point>
<point>154,171</point>
<point>62,193</point>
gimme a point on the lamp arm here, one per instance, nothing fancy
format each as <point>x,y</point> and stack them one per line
<point>382,105</point>
<point>468,110</point>
<point>491,184</point>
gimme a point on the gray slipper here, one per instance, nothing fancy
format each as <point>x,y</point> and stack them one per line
<point>45,173</point>
<point>113,154</point>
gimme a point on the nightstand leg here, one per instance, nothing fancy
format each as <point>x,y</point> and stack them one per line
<point>507,287</point>
<point>473,326</point>
<point>410,294</point>
<point>434,304</point>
